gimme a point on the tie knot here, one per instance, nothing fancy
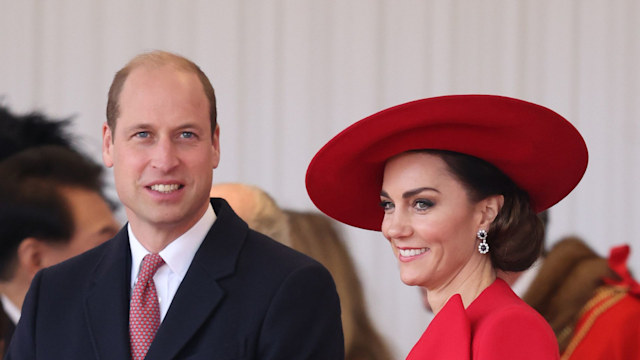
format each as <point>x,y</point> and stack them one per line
<point>150,264</point>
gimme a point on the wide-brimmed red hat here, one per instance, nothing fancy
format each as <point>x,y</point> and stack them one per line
<point>537,148</point>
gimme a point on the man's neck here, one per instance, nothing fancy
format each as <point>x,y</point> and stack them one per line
<point>155,237</point>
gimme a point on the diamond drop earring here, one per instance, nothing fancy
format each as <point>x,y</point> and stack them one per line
<point>483,247</point>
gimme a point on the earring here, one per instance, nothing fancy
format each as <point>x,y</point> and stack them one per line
<point>483,247</point>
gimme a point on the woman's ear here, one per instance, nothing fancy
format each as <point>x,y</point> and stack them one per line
<point>490,207</point>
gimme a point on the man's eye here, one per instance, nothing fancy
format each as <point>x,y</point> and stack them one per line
<point>422,204</point>
<point>187,135</point>
<point>142,134</point>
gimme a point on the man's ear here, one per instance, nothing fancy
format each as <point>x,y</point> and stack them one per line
<point>107,145</point>
<point>489,208</point>
<point>29,255</point>
<point>215,148</point>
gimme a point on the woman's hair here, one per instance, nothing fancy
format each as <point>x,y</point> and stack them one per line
<point>516,236</point>
<point>314,234</point>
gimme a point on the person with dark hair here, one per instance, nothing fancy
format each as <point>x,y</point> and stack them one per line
<point>51,209</point>
<point>454,183</point>
<point>186,277</point>
<point>20,132</point>
<point>51,205</point>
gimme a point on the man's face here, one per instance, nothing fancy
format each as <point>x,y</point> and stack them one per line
<point>163,150</point>
<point>93,224</point>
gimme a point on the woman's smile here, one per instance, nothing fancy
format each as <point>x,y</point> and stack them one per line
<point>410,254</point>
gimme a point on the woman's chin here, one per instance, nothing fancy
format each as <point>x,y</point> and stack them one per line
<point>411,280</point>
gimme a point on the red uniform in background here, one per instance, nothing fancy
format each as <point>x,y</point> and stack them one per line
<point>609,324</point>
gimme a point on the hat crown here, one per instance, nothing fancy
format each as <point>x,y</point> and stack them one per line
<point>537,148</point>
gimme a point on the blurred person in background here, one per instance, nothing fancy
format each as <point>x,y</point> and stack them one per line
<point>52,206</point>
<point>315,235</point>
<point>20,132</point>
<point>257,208</point>
<point>592,303</point>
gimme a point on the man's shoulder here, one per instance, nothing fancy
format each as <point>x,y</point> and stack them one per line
<point>82,265</point>
<point>233,237</point>
<point>264,261</point>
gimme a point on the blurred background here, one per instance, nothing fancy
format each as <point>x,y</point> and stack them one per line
<point>290,74</point>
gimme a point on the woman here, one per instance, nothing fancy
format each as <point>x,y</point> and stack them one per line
<point>454,183</point>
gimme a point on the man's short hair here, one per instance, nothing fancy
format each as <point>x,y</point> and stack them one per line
<point>31,203</point>
<point>157,58</point>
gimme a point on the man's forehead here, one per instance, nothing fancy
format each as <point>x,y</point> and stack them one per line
<point>163,85</point>
<point>153,73</point>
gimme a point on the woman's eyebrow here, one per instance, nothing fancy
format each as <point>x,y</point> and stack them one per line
<point>410,193</point>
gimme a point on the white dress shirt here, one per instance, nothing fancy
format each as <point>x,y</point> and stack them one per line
<point>177,258</point>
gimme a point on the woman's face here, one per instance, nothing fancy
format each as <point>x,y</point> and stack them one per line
<point>429,220</point>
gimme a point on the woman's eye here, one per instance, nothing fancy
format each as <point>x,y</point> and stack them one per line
<point>422,204</point>
<point>386,205</point>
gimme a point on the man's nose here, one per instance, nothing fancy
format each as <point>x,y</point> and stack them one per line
<point>165,156</point>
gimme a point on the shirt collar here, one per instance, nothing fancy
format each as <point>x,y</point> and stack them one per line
<point>12,311</point>
<point>180,252</point>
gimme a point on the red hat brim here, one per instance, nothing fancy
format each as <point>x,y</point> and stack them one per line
<point>537,148</point>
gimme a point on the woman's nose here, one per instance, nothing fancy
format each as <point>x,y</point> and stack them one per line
<point>396,225</point>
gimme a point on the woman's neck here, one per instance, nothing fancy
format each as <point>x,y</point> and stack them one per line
<point>469,282</point>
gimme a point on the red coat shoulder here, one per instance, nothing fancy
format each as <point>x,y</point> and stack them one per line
<point>497,325</point>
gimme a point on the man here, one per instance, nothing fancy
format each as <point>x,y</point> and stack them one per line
<point>51,206</point>
<point>208,287</point>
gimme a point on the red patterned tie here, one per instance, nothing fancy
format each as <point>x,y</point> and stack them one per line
<point>144,310</point>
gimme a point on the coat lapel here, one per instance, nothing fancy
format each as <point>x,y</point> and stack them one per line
<point>199,293</point>
<point>107,300</point>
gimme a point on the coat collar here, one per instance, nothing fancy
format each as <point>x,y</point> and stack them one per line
<point>107,300</point>
<point>199,293</point>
